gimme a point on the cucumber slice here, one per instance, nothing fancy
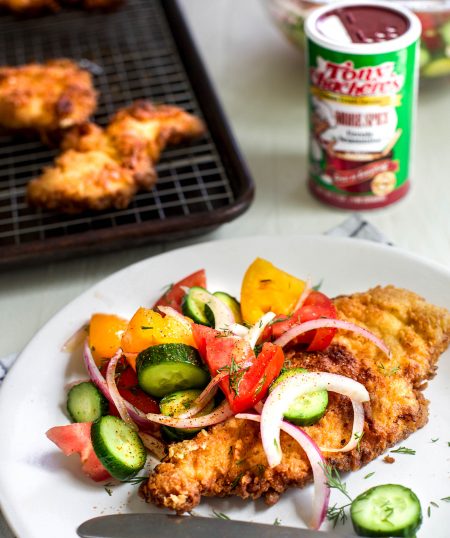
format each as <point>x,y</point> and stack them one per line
<point>387,510</point>
<point>437,68</point>
<point>307,409</point>
<point>166,368</point>
<point>85,403</point>
<point>176,403</point>
<point>193,306</point>
<point>232,303</point>
<point>118,447</point>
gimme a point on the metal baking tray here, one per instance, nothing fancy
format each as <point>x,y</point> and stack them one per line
<point>143,50</point>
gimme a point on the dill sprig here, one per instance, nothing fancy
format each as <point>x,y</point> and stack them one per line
<point>404,450</point>
<point>134,480</point>
<point>220,515</point>
<point>336,513</point>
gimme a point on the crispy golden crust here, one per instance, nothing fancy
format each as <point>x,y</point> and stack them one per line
<point>102,168</point>
<point>45,97</point>
<point>29,6</point>
<point>229,459</point>
<point>32,7</point>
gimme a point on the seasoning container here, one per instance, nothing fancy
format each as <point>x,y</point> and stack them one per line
<point>363,73</point>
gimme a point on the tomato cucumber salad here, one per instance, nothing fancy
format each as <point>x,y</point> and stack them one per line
<point>197,357</point>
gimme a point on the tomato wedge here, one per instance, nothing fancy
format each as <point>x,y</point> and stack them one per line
<point>317,305</point>
<point>76,439</point>
<point>174,295</point>
<point>245,386</point>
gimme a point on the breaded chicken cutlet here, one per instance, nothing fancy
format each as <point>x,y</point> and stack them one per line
<point>45,97</point>
<point>229,458</point>
<point>32,7</point>
<point>102,168</point>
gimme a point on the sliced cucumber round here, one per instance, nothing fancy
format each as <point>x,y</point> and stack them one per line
<point>118,447</point>
<point>166,368</point>
<point>178,402</point>
<point>387,510</point>
<point>307,409</point>
<point>194,306</point>
<point>232,303</point>
<point>85,403</point>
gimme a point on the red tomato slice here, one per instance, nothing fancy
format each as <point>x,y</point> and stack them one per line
<point>174,295</point>
<point>255,382</point>
<point>317,305</point>
<point>76,438</point>
<point>247,387</point>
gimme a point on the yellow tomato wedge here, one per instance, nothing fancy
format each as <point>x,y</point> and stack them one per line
<point>266,288</point>
<point>105,334</point>
<point>148,328</point>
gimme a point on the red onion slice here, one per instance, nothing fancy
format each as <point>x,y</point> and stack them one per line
<point>205,397</point>
<point>329,323</point>
<point>219,414</point>
<point>94,372</point>
<point>317,462</point>
<point>153,445</point>
<point>287,391</point>
<point>306,291</point>
<point>119,402</point>
<point>255,332</point>
<point>171,312</point>
<point>77,338</point>
<point>357,430</point>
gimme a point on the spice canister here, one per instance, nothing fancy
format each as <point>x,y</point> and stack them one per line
<point>363,75</point>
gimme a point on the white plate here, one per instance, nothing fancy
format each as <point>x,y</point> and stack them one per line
<point>44,494</point>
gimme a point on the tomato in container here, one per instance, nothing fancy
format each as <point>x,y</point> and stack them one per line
<point>289,16</point>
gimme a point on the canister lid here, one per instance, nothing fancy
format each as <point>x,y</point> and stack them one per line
<point>363,27</point>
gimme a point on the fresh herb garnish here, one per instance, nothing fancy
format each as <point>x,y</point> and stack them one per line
<point>318,286</point>
<point>369,475</point>
<point>404,450</point>
<point>260,384</point>
<point>108,489</point>
<point>135,480</point>
<point>336,513</point>
<point>390,372</point>
<point>434,504</point>
<point>236,480</point>
<point>435,439</point>
<point>220,515</point>
<point>277,522</point>
<point>446,499</point>
<point>236,375</point>
<point>146,328</point>
<point>358,437</point>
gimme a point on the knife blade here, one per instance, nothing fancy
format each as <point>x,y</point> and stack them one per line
<point>170,526</point>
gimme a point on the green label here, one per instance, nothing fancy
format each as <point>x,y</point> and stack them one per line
<point>361,112</point>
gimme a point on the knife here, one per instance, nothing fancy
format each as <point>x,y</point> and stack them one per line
<point>168,526</point>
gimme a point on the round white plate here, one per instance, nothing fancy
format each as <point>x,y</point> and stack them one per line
<point>44,494</point>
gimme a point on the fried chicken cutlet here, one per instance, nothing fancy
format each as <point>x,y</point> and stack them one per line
<point>45,97</point>
<point>229,458</point>
<point>30,7</point>
<point>102,168</point>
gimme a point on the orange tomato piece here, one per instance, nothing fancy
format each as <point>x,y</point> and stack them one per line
<point>105,334</point>
<point>265,288</point>
<point>148,328</point>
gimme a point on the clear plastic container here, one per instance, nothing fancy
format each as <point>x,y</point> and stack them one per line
<point>289,15</point>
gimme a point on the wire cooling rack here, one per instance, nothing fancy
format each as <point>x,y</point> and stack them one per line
<point>141,51</point>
